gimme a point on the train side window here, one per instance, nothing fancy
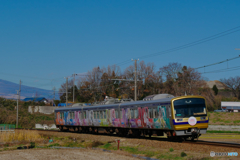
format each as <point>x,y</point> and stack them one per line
<point>136,113</point>
<point>116,113</point>
<point>132,113</point>
<point>153,113</point>
<point>101,114</point>
<point>150,113</point>
<point>121,115</point>
<point>97,117</point>
<point>104,115</point>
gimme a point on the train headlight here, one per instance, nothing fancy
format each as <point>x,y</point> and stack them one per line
<point>203,118</point>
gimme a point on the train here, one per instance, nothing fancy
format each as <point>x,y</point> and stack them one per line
<point>183,117</point>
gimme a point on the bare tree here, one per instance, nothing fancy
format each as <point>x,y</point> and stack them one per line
<point>234,84</point>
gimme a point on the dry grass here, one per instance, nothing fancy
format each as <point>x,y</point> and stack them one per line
<point>20,136</point>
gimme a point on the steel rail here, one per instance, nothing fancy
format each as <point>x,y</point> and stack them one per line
<point>214,143</point>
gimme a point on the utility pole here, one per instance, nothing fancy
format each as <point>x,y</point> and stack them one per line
<point>66,91</point>
<point>135,80</point>
<point>17,109</point>
<point>20,89</point>
<point>74,86</point>
<point>54,94</point>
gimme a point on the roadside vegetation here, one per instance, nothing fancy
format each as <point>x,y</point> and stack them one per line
<point>26,119</point>
<point>224,118</point>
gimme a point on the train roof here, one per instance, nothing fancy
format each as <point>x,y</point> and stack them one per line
<point>165,100</point>
<point>106,106</point>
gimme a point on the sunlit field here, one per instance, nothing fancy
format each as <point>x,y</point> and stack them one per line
<point>20,136</point>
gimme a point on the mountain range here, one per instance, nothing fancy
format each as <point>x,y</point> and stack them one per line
<point>9,90</point>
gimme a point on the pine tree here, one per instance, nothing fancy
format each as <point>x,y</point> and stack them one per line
<point>215,89</point>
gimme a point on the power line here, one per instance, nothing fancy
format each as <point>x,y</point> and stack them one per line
<point>223,70</point>
<point>218,62</point>
<point>210,38</point>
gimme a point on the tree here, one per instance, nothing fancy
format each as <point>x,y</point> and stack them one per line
<point>234,84</point>
<point>215,89</point>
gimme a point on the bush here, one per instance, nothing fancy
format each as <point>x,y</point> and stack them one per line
<point>32,144</point>
<point>183,154</point>
<point>171,149</point>
<point>96,144</point>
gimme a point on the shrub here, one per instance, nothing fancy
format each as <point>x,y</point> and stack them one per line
<point>96,143</point>
<point>183,154</point>
<point>171,149</point>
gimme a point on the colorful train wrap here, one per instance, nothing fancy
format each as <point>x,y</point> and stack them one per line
<point>183,117</point>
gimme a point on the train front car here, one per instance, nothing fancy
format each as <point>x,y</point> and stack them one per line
<point>189,116</point>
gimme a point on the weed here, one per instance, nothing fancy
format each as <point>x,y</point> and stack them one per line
<point>6,145</point>
<point>32,144</point>
<point>96,143</point>
<point>22,135</point>
<point>171,149</point>
<point>54,144</point>
<point>183,154</point>
<point>237,121</point>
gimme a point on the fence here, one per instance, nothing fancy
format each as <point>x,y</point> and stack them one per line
<point>7,127</point>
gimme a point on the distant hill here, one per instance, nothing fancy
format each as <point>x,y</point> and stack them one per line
<point>219,84</point>
<point>9,90</point>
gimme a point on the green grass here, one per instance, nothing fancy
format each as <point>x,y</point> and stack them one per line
<point>237,121</point>
<point>169,156</point>
<point>108,146</point>
<point>73,144</point>
<point>54,144</point>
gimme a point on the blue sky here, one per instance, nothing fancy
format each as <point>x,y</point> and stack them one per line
<point>41,42</point>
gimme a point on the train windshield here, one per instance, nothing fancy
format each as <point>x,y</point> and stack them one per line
<point>189,107</point>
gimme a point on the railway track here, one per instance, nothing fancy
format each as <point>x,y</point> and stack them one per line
<point>212,143</point>
<point>199,142</point>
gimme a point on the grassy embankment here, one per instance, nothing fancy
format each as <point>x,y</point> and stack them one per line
<point>224,118</point>
<point>22,138</point>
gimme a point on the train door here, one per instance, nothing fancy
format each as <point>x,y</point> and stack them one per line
<point>146,123</point>
<point>90,117</point>
<point>123,117</point>
<point>128,117</point>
